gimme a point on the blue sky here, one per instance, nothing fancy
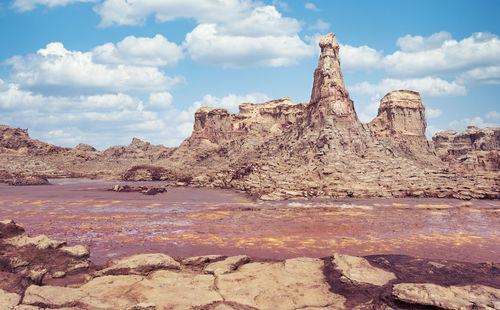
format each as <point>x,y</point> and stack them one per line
<point>104,71</point>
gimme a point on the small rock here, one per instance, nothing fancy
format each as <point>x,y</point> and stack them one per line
<point>198,260</point>
<point>37,275</point>
<point>58,274</point>
<point>140,264</point>
<point>78,251</point>
<point>226,266</point>
<point>42,242</point>
<point>143,306</point>
<point>358,269</point>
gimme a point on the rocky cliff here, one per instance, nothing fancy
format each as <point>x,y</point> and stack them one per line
<point>401,123</point>
<point>472,150</point>
<point>280,150</point>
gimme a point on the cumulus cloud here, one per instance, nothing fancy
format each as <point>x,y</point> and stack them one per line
<point>411,44</point>
<point>124,12</point>
<point>428,86</point>
<point>443,55</point>
<point>156,51</point>
<point>56,69</point>
<point>231,33</point>
<point>485,75</point>
<point>311,6</point>
<point>207,44</point>
<point>27,5</point>
<point>356,58</point>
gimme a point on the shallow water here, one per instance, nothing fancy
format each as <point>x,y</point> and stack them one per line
<point>194,221</point>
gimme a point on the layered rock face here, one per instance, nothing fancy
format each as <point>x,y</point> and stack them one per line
<point>401,122</point>
<point>473,149</point>
<point>217,126</point>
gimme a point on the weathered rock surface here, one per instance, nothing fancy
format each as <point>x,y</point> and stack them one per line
<point>293,284</point>
<point>140,264</point>
<point>401,122</point>
<point>472,150</point>
<point>359,270</point>
<point>453,297</point>
<point>157,281</point>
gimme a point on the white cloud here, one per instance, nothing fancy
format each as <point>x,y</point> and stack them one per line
<point>124,12</point>
<point>460,125</point>
<point>57,69</point>
<point>362,57</point>
<point>428,86</point>
<point>492,116</point>
<point>484,75</point>
<point>160,101</point>
<point>156,51</point>
<point>311,6</point>
<point>410,43</point>
<point>450,57</point>
<point>433,113</point>
<point>207,44</point>
<point>320,25</point>
<point>27,5</point>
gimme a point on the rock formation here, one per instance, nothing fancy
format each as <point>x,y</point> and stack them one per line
<point>400,122</point>
<point>41,273</point>
<point>280,150</point>
<point>472,150</point>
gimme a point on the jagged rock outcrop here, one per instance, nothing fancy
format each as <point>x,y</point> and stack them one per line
<point>215,126</point>
<point>40,273</point>
<point>471,150</point>
<point>401,123</point>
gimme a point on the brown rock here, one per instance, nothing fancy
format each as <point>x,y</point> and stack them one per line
<point>453,297</point>
<point>359,270</point>
<point>226,266</point>
<point>401,122</point>
<point>293,284</point>
<point>139,264</point>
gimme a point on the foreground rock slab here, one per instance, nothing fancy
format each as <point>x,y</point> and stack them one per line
<point>359,269</point>
<point>293,284</point>
<point>453,297</point>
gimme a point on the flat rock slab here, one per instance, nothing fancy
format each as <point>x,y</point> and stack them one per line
<point>164,289</point>
<point>359,270</point>
<point>453,297</point>
<point>140,264</point>
<point>227,265</point>
<point>42,242</point>
<point>293,284</point>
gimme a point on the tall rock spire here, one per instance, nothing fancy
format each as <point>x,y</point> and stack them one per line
<point>330,100</point>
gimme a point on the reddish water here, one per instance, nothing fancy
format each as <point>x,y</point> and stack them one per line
<point>188,221</point>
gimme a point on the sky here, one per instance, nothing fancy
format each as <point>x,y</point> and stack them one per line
<point>104,71</point>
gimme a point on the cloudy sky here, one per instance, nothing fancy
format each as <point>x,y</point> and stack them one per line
<point>104,71</point>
